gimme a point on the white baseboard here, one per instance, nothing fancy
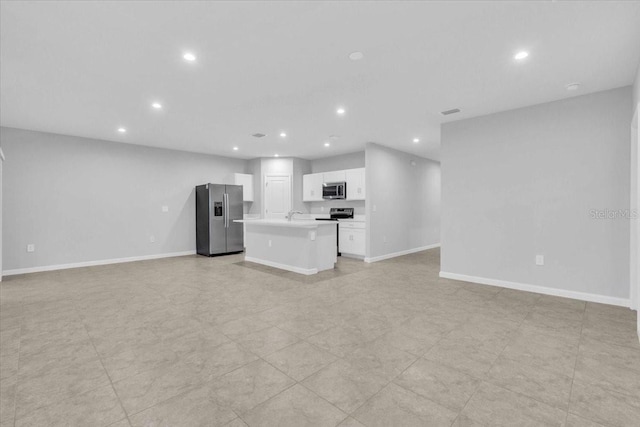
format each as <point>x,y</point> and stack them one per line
<point>401,253</point>
<point>352,256</point>
<point>583,296</point>
<point>93,263</point>
<point>305,271</point>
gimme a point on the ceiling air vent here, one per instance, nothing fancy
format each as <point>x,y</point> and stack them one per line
<point>258,135</point>
<point>446,113</point>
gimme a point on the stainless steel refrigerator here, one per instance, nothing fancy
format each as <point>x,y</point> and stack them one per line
<point>217,206</point>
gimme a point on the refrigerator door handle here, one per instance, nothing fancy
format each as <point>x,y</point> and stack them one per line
<point>226,210</point>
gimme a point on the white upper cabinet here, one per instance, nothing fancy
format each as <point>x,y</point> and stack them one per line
<point>312,184</point>
<point>335,176</point>
<point>355,184</point>
<point>312,187</point>
<point>246,180</point>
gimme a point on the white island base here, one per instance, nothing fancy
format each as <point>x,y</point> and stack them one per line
<point>301,246</point>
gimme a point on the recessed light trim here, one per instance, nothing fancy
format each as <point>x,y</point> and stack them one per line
<point>190,57</point>
<point>156,105</point>
<point>341,111</point>
<point>235,148</point>
<point>276,155</point>
<point>356,56</point>
<point>327,144</point>
<point>573,86</point>
<point>283,134</point>
<point>122,130</point>
<point>416,140</point>
<point>521,55</point>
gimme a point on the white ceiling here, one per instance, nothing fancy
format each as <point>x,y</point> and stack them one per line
<point>87,68</point>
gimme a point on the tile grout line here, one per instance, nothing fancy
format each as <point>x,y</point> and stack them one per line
<point>396,376</point>
<point>499,354</point>
<point>126,414</point>
<point>575,365</point>
<point>69,397</point>
<point>517,392</point>
<point>480,379</point>
<point>17,374</point>
<point>296,382</point>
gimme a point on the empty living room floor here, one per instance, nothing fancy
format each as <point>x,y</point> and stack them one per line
<point>194,341</point>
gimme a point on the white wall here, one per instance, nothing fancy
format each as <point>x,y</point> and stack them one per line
<point>634,194</point>
<point>636,88</point>
<point>82,200</point>
<point>340,162</point>
<point>1,183</point>
<point>524,182</point>
<point>634,257</point>
<point>403,201</point>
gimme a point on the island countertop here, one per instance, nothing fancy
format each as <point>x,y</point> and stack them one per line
<point>296,223</point>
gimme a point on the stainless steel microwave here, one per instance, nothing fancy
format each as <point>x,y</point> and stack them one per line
<point>334,190</point>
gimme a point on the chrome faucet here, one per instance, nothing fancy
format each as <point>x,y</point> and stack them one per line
<point>291,214</point>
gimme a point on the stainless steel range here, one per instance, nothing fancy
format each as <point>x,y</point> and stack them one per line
<point>334,215</point>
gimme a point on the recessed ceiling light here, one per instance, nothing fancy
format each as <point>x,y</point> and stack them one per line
<point>356,56</point>
<point>521,55</point>
<point>327,144</point>
<point>283,134</point>
<point>156,105</point>
<point>122,130</point>
<point>416,140</point>
<point>573,86</point>
<point>235,148</point>
<point>341,111</point>
<point>276,155</point>
<point>189,57</point>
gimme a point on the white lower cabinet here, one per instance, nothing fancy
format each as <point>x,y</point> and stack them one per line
<point>352,238</point>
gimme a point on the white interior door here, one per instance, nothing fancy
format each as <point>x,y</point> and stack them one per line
<point>277,196</point>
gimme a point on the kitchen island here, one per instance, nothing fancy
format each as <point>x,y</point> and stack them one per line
<point>301,246</point>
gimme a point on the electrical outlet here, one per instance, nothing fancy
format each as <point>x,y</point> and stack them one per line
<point>31,247</point>
<point>165,209</point>
<point>539,259</point>
<point>269,242</point>
<point>152,239</point>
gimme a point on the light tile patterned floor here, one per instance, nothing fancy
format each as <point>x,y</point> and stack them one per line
<point>194,341</point>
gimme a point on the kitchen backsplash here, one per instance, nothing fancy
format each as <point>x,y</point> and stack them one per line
<point>323,207</point>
